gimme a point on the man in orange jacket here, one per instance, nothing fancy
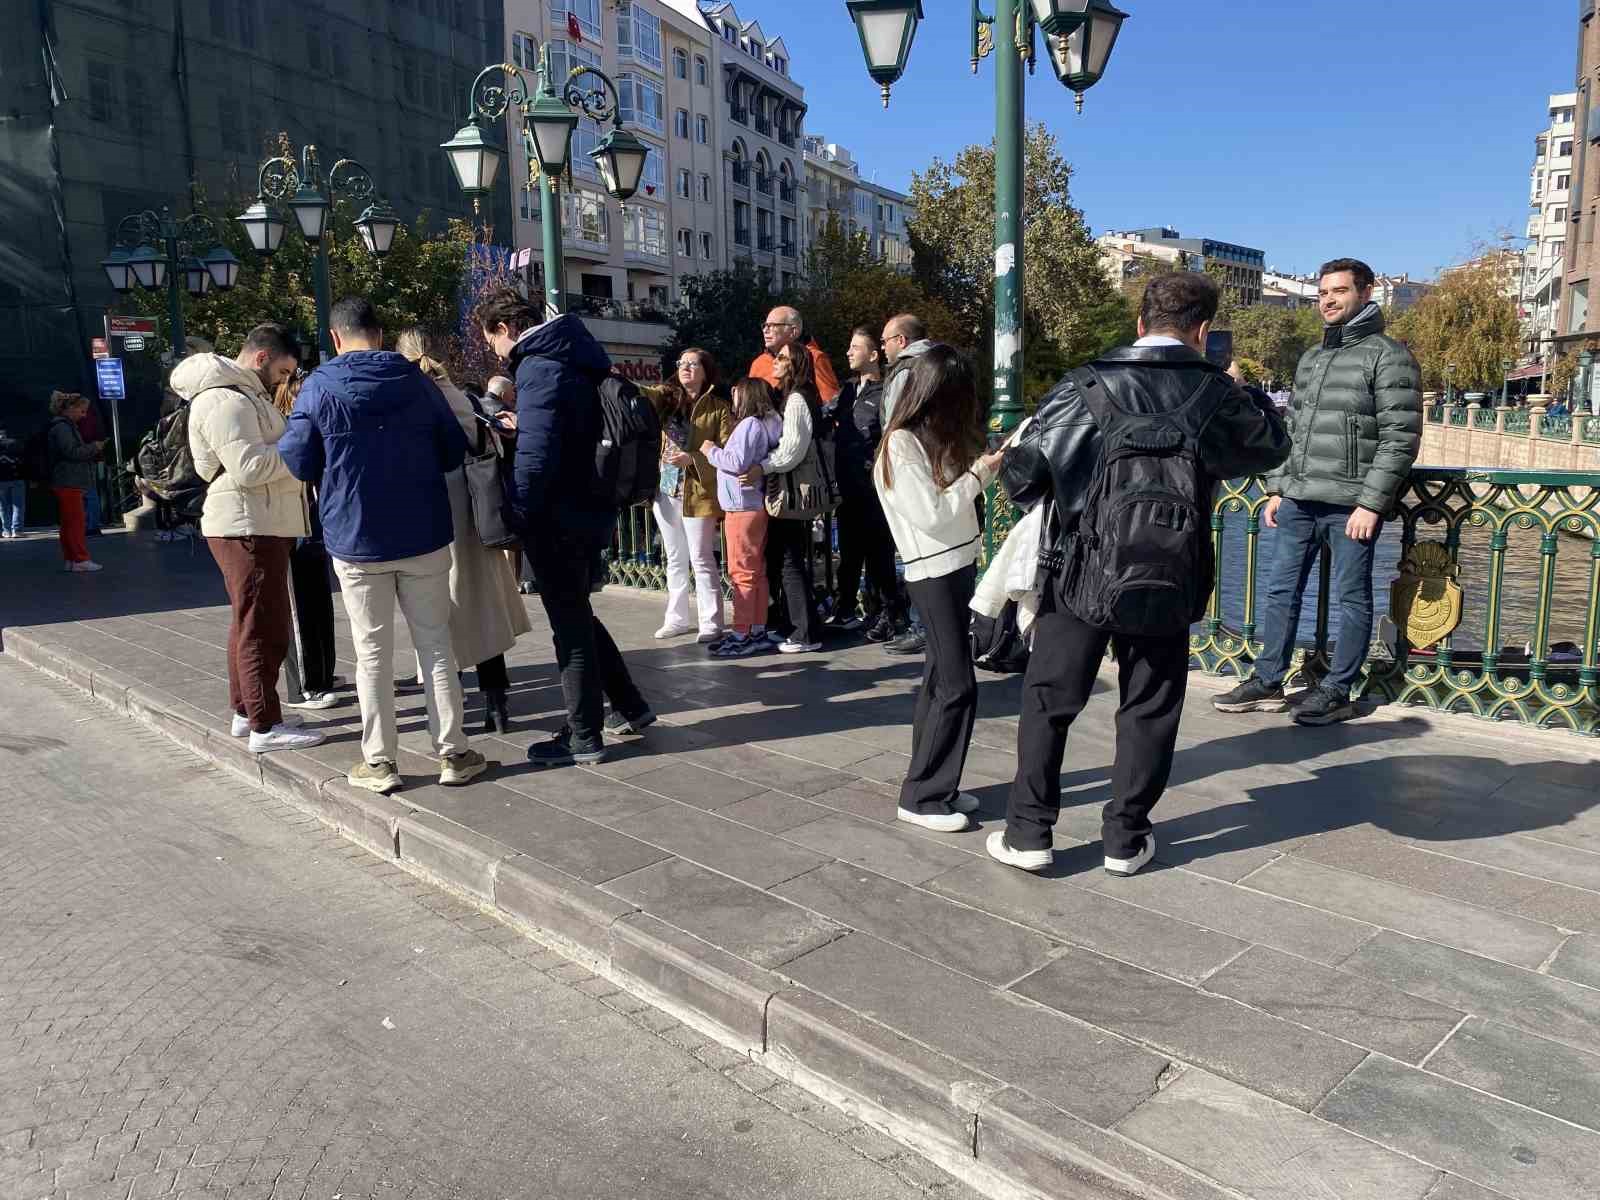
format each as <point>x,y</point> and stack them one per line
<point>784,327</point>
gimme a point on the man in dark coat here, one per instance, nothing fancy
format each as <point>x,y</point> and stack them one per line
<point>1356,421</point>
<point>564,516</point>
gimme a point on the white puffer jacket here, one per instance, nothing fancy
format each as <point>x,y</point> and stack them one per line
<point>935,529</point>
<point>233,434</point>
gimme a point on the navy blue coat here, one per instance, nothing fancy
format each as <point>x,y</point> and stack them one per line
<point>376,437</point>
<point>558,367</point>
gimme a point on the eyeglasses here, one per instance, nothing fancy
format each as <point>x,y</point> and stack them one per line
<point>766,325</point>
<point>687,364</point>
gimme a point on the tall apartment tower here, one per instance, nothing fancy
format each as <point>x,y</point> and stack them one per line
<point>1549,201</point>
<point>1578,325</point>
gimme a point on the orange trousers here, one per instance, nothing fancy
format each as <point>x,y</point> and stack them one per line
<point>747,567</point>
<point>74,524</point>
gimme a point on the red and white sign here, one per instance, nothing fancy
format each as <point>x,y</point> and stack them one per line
<point>123,326</point>
<point>98,348</point>
<point>639,370</point>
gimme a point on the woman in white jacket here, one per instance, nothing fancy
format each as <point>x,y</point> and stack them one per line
<point>929,474</point>
<point>788,539</point>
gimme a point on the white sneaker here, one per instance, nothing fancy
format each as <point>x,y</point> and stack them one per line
<point>966,802</point>
<point>314,700</point>
<point>241,725</point>
<point>86,567</point>
<point>284,737</point>
<point>1130,866</point>
<point>938,822</point>
<point>1023,860</point>
<point>671,631</point>
<point>709,637</point>
<point>790,646</point>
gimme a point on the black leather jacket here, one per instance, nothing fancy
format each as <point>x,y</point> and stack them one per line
<point>1056,456</point>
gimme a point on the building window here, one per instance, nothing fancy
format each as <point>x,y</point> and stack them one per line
<point>643,102</point>
<point>706,245</point>
<point>685,239</point>
<point>741,223</point>
<point>1564,150</point>
<point>585,218</point>
<point>644,231</point>
<point>137,106</point>
<point>247,24</point>
<point>680,123</point>
<point>525,202</point>
<point>1558,214</point>
<point>683,184</point>
<point>702,72</point>
<point>102,94</point>
<point>702,130</point>
<point>565,57</point>
<point>430,86</point>
<point>1563,182</point>
<point>585,12</point>
<point>654,179</point>
<point>780,64</point>
<point>585,138</point>
<point>638,34</point>
<point>232,122</point>
<point>341,54</point>
<point>525,51</point>
<point>705,187</point>
<point>314,49</point>
<point>680,65</point>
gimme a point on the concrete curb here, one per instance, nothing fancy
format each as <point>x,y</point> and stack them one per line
<point>997,1139</point>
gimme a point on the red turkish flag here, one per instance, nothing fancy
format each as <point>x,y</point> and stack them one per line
<point>573,30</point>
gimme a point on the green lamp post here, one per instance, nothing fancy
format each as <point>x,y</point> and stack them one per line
<point>1505,381</point>
<point>1079,36</point>
<point>155,251</point>
<point>310,195</point>
<point>548,121</point>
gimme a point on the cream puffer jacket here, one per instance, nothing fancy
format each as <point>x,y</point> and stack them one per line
<point>233,432</point>
<point>935,528</point>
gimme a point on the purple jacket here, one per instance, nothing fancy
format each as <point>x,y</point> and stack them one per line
<point>752,440</point>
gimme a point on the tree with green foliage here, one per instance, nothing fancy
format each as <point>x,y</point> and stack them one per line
<point>1272,339</point>
<point>1467,320</point>
<point>722,312</point>
<point>1067,299</point>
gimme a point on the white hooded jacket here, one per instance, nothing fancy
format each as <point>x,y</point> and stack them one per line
<point>233,432</point>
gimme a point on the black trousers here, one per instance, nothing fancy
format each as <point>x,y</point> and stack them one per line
<point>793,608</point>
<point>591,666</point>
<point>1152,675</point>
<point>492,675</point>
<point>947,705</point>
<point>313,614</point>
<point>866,542</point>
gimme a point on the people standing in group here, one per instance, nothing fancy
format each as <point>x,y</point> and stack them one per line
<point>904,340</point>
<point>1126,557</point>
<point>376,438</point>
<point>929,470</point>
<point>1356,421</point>
<point>72,476</point>
<point>789,538</point>
<point>13,487</point>
<point>785,327</point>
<point>487,614</point>
<point>693,410</point>
<point>758,431</point>
<point>254,510</point>
<point>864,537</point>
<point>565,517</point>
<point>308,665</point>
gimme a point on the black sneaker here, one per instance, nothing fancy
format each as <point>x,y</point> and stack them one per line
<point>1323,706</point>
<point>559,752</point>
<point>910,642</point>
<point>881,630</point>
<point>617,723</point>
<point>1253,695</point>
<point>842,621</point>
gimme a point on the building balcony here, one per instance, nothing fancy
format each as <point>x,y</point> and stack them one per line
<point>764,126</point>
<point>787,137</point>
<point>741,176</point>
<point>788,193</point>
<point>741,237</point>
<point>767,243</point>
<point>741,115</point>
<point>608,309</point>
<point>764,184</point>
<point>596,249</point>
<point>649,260</point>
<point>790,250</point>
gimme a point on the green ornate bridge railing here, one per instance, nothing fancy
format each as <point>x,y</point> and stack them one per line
<point>1524,547</point>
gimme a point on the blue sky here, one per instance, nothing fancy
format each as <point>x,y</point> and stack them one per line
<point>1399,132</point>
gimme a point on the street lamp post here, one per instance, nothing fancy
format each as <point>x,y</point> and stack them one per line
<point>310,195</point>
<point>1449,382</point>
<point>155,250</point>
<point>1584,397</point>
<point>548,119</point>
<point>1079,36</point>
<point>1505,381</point>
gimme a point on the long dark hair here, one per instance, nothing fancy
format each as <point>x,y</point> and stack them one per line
<point>802,378</point>
<point>752,398</point>
<point>941,409</point>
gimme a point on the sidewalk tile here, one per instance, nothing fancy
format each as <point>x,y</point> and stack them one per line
<point>1407,910</point>
<point>1266,1150</point>
<point>1379,855</point>
<point>962,938</point>
<point>1524,1154</point>
<point>1351,1007</point>
<point>864,798</point>
<point>696,785</point>
<point>1579,961</point>
<point>745,921</point>
<point>1551,1008</point>
<point>712,840</point>
<point>902,856</point>
<point>773,772</point>
<point>1518,1066</point>
<point>1266,1054</point>
<point>773,812</point>
<point>1083,1070</point>
<point>580,792</point>
<point>1526,854</point>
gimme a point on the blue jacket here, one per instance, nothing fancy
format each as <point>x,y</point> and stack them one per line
<point>558,367</point>
<point>376,437</point>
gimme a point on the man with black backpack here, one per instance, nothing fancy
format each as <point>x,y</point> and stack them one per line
<point>584,450</point>
<point>1127,452</point>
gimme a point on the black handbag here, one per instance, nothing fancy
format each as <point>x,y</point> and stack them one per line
<point>485,472</point>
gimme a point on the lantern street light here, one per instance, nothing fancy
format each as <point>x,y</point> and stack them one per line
<point>310,194</point>
<point>1505,381</point>
<point>549,118</point>
<point>154,250</point>
<point>1079,36</point>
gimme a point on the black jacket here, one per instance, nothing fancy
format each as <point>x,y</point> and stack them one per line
<point>859,416</point>
<point>1056,456</point>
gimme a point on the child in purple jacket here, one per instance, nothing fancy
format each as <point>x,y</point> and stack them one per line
<point>745,514</point>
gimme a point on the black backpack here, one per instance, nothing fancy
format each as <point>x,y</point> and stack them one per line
<point>627,459</point>
<point>166,465</point>
<point>1137,563</point>
<point>997,643</point>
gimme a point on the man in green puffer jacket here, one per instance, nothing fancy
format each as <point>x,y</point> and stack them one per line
<point>1356,424</point>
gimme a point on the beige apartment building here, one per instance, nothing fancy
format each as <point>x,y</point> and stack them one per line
<point>1578,324</point>
<point>835,190</point>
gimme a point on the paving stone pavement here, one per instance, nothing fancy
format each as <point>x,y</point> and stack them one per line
<point>205,993</point>
<point>1364,964</point>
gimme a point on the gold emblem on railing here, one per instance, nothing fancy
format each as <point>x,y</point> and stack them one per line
<point>1426,599</point>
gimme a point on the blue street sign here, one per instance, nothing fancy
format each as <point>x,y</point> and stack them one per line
<point>108,375</point>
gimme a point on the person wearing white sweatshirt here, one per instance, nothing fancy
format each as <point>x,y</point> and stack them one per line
<point>930,470</point>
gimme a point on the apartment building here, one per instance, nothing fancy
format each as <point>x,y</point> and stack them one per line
<point>1241,267</point>
<point>1577,326</point>
<point>1549,202</point>
<point>836,190</point>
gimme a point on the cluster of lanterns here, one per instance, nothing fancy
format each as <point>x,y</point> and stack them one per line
<point>146,267</point>
<point>1078,33</point>
<point>311,207</point>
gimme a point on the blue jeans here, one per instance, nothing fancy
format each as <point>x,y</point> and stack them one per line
<point>13,499</point>
<point>91,507</point>
<point>1304,527</point>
